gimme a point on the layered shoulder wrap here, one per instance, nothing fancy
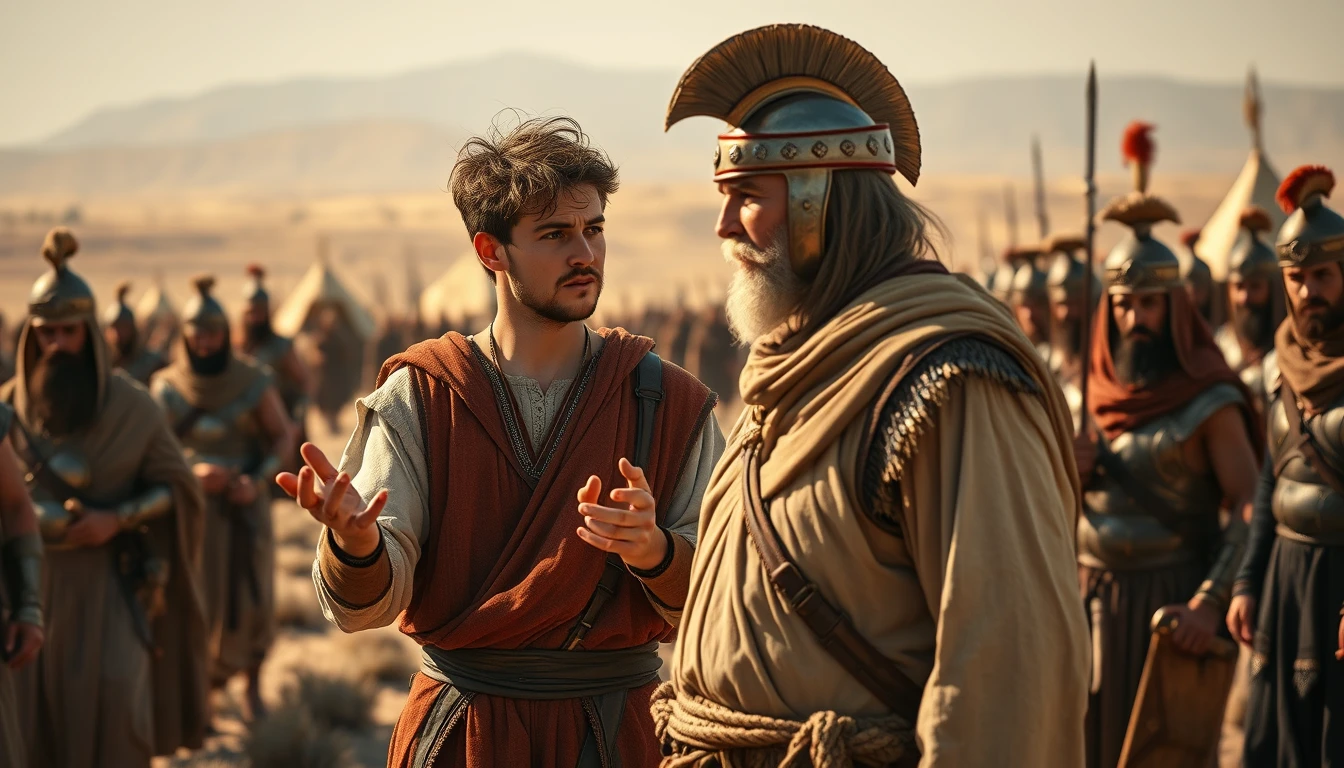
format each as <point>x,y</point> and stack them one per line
<point>912,406</point>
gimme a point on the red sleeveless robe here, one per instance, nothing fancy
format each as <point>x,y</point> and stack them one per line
<point>503,567</point>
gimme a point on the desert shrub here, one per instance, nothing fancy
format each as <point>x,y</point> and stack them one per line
<point>333,701</point>
<point>290,737</point>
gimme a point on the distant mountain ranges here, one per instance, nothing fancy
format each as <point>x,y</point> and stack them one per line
<point>400,133</point>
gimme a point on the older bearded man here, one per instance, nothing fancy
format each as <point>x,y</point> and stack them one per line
<point>901,435</point>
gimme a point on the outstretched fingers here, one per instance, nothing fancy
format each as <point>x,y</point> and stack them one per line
<point>318,461</point>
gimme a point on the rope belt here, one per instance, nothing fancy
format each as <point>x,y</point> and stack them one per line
<point>696,730</point>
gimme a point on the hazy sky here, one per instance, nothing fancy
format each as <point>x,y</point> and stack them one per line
<point>62,59</point>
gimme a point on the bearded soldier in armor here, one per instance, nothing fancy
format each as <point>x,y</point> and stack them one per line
<point>1177,434</point>
<point>1198,277</point>
<point>1254,302</point>
<point>120,514</point>
<point>1290,590</point>
<point>232,423</point>
<point>839,603</point>
<point>21,634</point>
<point>130,354</point>
<point>260,342</point>
<point>1030,298</point>
<point>1066,284</point>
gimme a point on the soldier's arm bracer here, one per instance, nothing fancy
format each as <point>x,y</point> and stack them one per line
<point>150,505</point>
<point>23,557</point>
<point>1260,537</point>
<point>1217,586</point>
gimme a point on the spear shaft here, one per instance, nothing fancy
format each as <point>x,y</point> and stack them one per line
<point>1091,196</point>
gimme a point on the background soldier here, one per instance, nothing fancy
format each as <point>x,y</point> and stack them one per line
<point>20,591</point>
<point>260,342</point>
<point>1295,561</point>
<point>232,423</point>
<point>1065,282</point>
<point>1198,278</point>
<point>111,489</point>
<point>1177,441</point>
<point>1029,299</point>
<point>135,356</point>
<point>1254,302</point>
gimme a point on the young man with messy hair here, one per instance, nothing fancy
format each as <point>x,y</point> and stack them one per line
<point>470,505</point>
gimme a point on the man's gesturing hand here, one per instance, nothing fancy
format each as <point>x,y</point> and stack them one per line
<point>329,498</point>
<point>631,530</point>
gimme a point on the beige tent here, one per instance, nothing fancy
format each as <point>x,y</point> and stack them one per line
<point>1256,185</point>
<point>461,292</point>
<point>320,286</point>
<point>154,306</point>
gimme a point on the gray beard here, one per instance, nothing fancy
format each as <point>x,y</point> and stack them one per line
<point>760,297</point>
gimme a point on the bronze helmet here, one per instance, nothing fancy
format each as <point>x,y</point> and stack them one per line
<point>119,312</point>
<point>202,311</point>
<point>1140,263</point>
<point>800,101</point>
<point>1313,233</point>
<point>1250,255</point>
<point>61,295</point>
<point>1029,284</point>
<point>1067,274</point>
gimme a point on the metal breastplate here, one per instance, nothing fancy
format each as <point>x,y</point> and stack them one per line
<point>229,436</point>
<point>72,467</point>
<point>1303,502</point>
<point>1117,532</point>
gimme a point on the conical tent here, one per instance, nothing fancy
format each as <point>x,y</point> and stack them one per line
<point>463,291</point>
<point>154,306</point>
<point>1256,185</point>
<point>321,287</point>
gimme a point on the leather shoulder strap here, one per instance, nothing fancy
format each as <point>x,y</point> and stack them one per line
<point>833,629</point>
<point>1301,439</point>
<point>648,382</point>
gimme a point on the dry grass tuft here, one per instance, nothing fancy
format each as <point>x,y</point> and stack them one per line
<point>382,655</point>
<point>296,603</point>
<point>333,701</point>
<point>290,737</point>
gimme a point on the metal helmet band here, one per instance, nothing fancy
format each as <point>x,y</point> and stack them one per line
<point>802,102</point>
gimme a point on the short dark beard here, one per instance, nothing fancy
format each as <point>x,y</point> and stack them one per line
<point>210,365</point>
<point>64,391</point>
<point>1318,327</point>
<point>255,334</point>
<point>1142,360</point>
<point>552,310</point>
<point>1254,324</point>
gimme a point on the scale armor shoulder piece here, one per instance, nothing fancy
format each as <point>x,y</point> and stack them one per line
<point>912,407</point>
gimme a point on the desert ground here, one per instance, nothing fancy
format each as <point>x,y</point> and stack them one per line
<point>333,698</point>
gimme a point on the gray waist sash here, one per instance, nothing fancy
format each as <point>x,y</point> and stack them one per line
<point>542,675</point>
<point>1319,539</point>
